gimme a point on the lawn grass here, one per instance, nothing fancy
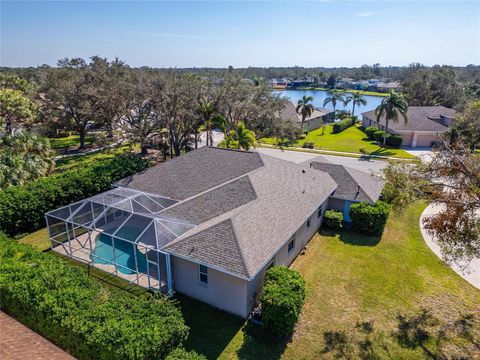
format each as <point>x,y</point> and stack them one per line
<point>70,162</point>
<point>352,140</point>
<point>38,239</point>
<point>70,142</point>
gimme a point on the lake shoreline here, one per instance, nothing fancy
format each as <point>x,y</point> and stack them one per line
<point>351,91</point>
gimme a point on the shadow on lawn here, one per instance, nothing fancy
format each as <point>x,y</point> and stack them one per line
<point>348,236</point>
<point>212,330</point>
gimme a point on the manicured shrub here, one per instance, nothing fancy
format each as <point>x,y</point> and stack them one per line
<point>342,125</point>
<point>370,131</point>
<point>302,136</point>
<point>379,136</point>
<point>22,208</point>
<point>182,354</point>
<point>282,299</point>
<point>394,140</point>
<point>62,303</point>
<point>308,145</point>
<point>369,219</point>
<point>333,219</point>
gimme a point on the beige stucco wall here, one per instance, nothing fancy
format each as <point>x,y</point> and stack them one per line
<point>224,291</point>
<point>426,140</point>
<point>313,124</point>
<point>366,121</point>
<point>407,138</point>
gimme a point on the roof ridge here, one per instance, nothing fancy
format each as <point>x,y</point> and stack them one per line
<point>242,255</point>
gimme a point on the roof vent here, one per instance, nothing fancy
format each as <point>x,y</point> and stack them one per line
<point>303,171</point>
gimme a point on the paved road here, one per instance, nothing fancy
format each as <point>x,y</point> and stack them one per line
<point>470,271</point>
<point>298,157</point>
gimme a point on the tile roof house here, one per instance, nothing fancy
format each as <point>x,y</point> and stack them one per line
<point>424,126</point>
<point>221,218</point>
<point>313,122</point>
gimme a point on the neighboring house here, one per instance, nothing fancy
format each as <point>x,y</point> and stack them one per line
<point>353,186</point>
<point>387,86</point>
<point>207,224</point>
<point>279,83</point>
<point>424,126</point>
<point>319,116</point>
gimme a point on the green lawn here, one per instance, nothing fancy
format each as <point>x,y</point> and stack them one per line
<point>351,140</point>
<point>351,91</point>
<point>70,162</point>
<point>356,288</point>
<point>38,239</point>
<point>70,142</point>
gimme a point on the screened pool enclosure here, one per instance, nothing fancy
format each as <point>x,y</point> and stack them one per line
<point>121,231</point>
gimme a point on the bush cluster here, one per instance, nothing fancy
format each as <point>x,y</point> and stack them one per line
<point>182,354</point>
<point>308,145</point>
<point>302,136</point>
<point>378,135</point>
<point>62,303</point>
<point>369,219</point>
<point>370,131</point>
<point>22,208</point>
<point>333,219</point>
<point>342,125</point>
<point>282,299</point>
<point>394,140</point>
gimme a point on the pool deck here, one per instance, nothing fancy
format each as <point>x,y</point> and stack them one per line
<point>79,249</point>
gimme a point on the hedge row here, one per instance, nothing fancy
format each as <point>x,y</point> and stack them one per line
<point>342,125</point>
<point>369,219</point>
<point>62,303</point>
<point>22,208</point>
<point>370,131</point>
<point>282,299</point>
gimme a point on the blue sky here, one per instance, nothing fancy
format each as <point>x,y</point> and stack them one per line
<point>221,33</point>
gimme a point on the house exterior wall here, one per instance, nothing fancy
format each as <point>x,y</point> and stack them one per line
<point>366,121</point>
<point>407,138</point>
<point>313,124</point>
<point>224,291</point>
<point>336,204</point>
<point>426,139</point>
<point>282,257</point>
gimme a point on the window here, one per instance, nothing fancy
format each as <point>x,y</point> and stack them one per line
<point>319,212</point>
<point>291,244</point>
<point>203,274</point>
<point>308,223</point>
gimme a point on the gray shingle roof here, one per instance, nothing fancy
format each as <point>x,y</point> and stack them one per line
<point>420,118</point>
<point>285,197</point>
<point>353,184</point>
<point>289,112</point>
<point>194,172</point>
<point>213,203</point>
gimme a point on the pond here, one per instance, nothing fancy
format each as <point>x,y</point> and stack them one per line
<point>320,95</point>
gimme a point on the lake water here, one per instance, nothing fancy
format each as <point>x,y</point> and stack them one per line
<point>320,95</point>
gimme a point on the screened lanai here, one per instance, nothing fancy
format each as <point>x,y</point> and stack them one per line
<point>121,231</point>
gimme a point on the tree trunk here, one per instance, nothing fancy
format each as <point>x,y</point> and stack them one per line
<point>82,132</point>
<point>385,135</point>
<point>196,139</point>
<point>353,109</point>
<point>144,149</point>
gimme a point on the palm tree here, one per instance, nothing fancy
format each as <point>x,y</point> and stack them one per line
<point>392,106</point>
<point>245,138</point>
<point>356,99</point>
<point>334,96</point>
<point>206,109</point>
<point>305,107</point>
<point>24,157</point>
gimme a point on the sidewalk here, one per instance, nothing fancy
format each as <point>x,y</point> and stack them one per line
<point>471,272</point>
<point>17,342</point>
<point>331,152</point>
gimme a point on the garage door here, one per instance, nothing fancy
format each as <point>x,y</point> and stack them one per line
<point>425,140</point>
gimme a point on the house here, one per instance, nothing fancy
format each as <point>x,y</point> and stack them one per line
<point>353,186</point>
<point>319,116</point>
<point>387,86</point>
<point>278,83</point>
<point>424,126</point>
<point>207,224</point>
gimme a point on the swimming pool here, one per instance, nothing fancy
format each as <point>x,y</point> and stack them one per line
<point>124,254</point>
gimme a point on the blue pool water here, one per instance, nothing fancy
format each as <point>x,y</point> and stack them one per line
<point>124,254</point>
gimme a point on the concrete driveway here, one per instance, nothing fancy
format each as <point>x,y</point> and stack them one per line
<point>299,157</point>
<point>424,153</point>
<point>470,271</point>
